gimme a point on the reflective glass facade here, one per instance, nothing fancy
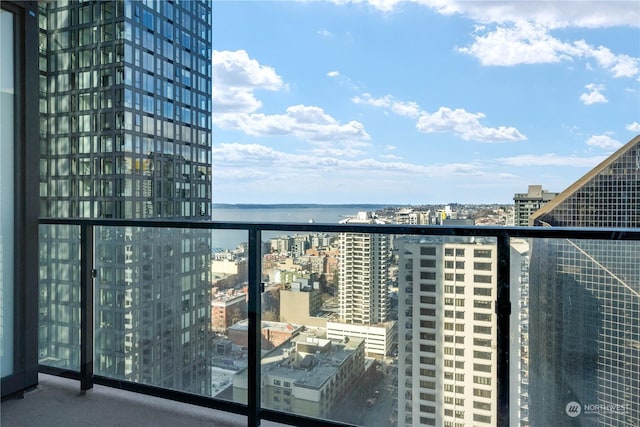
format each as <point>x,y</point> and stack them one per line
<point>585,301</point>
<point>125,130</point>
<point>126,109</point>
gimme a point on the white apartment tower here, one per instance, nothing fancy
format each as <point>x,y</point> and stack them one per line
<point>447,332</point>
<point>363,289</point>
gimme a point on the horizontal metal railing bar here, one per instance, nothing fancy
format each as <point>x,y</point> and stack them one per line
<point>59,372</point>
<point>299,420</point>
<point>398,229</point>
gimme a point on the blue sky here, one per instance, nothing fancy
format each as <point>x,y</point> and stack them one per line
<point>416,102</point>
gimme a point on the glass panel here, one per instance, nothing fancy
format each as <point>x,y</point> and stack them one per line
<point>7,141</point>
<point>229,279</point>
<point>583,333</point>
<point>372,329</point>
<point>59,305</point>
<point>164,299</point>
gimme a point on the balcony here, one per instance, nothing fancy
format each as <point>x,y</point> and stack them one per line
<point>56,402</point>
<point>83,341</point>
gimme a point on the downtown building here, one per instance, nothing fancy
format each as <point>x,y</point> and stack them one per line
<point>446,331</point>
<point>584,302</point>
<point>526,204</point>
<point>363,286</point>
<point>363,289</point>
<point>125,133</point>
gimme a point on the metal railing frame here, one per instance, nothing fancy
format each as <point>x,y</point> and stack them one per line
<point>252,409</point>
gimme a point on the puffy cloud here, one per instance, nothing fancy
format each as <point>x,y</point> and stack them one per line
<point>527,43</point>
<point>594,95</point>
<point>633,127</point>
<point>465,125</point>
<point>618,65</point>
<point>459,122</point>
<point>236,76</point>
<point>307,122</point>
<point>236,68</point>
<point>551,159</point>
<point>523,43</point>
<point>604,141</point>
<point>522,29</point>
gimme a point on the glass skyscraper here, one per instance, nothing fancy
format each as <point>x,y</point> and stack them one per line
<point>585,303</point>
<point>125,132</point>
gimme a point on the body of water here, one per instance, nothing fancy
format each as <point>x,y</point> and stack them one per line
<point>330,214</point>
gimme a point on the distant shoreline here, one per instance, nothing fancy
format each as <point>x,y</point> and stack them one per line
<point>300,206</point>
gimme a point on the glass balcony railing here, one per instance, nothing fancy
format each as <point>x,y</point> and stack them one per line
<point>446,326</point>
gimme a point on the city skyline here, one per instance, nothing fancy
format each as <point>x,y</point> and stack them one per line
<point>417,102</point>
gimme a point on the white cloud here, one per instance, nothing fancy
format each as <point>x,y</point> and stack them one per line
<point>465,125</point>
<point>230,156</point>
<point>594,96</point>
<point>522,43</point>
<point>618,65</point>
<point>553,14</point>
<point>235,78</point>
<point>521,29</point>
<point>390,147</point>
<point>306,122</point>
<point>551,159</point>
<point>405,109</point>
<point>324,32</point>
<point>604,142</point>
<point>527,43</point>
<point>459,122</point>
<point>633,127</point>
<point>366,98</point>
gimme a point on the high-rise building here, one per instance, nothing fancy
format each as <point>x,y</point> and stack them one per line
<point>584,300</point>
<point>446,331</point>
<point>526,204</point>
<point>363,287</point>
<point>125,132</point>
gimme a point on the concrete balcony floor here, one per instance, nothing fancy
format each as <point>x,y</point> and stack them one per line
<point>58,402</point>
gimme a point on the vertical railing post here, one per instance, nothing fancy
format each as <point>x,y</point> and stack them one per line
<point>254,335</point>
<point>503,317</point>
<point>87,274</point>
